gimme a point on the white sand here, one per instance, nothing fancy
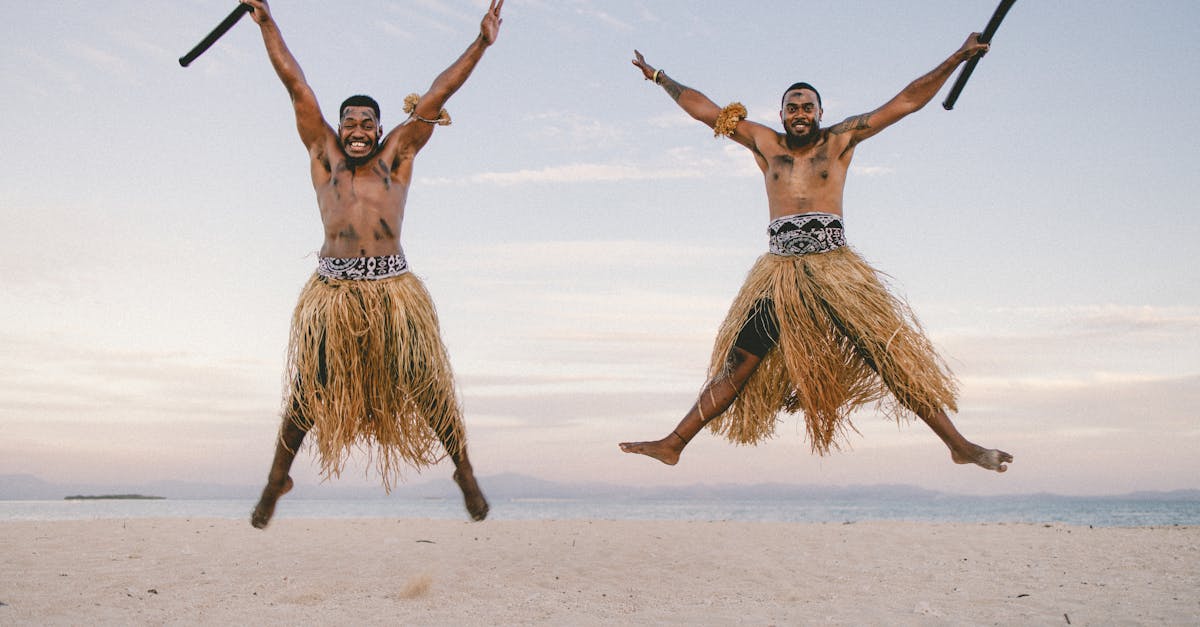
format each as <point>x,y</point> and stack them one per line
<point>387,571</point>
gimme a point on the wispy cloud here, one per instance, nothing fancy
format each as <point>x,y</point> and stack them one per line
<point>598,15</point>
<point>573,131</point>
<point>104,62</point>
<point>39,73</point>
<point>425,15</point>
<point>584,173</point>
<point>872,170</point>
<point>680,163</point>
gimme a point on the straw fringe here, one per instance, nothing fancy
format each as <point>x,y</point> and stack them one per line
<point>367,369</point>
<point>836,321</point>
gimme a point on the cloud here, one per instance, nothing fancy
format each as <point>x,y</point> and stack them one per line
<point>572,173</point>
<point>393,29</point>
<point>104,62</point>
<point>872,170</point>
<point>427,15</point>
<point>48,380</point>
<point>603,17</point>
<point>681,163</point>
<point>574,131</point>
<point>37,70</point>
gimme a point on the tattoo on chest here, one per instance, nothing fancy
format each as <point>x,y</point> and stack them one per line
<point>820,163</point>
<point>382,170</point>
<point>783,164</point>
<point>386,232</point>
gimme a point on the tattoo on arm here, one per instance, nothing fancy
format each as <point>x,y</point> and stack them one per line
<point>673,89</point>
<point>856,123</point>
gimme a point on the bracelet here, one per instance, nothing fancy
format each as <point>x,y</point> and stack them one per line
<point>655,77</point>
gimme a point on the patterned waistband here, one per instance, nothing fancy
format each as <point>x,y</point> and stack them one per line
<point>362,268</point>
<point>805,234</point>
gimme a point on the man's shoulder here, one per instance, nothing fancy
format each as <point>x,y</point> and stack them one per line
<point>768,139</point>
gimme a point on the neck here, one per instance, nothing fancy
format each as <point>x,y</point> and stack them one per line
<point>356,162</point>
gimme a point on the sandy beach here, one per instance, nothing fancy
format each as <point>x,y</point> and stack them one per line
<point>436,572</point>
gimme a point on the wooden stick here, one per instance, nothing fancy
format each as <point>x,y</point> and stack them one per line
<point>216,33</point>
<point>984,37</point>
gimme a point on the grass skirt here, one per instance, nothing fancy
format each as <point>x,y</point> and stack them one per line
<point>367,369</point>
<point>844,342</point>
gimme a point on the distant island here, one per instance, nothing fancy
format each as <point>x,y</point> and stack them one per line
<point>112,497</point>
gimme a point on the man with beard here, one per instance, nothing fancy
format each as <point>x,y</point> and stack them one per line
<point>814,329</point>
<point>366,363</point>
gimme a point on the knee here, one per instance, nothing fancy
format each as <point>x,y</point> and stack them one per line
<point>736,358</point>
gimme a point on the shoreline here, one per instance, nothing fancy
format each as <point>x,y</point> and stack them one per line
<point>1084,512</point>
<point>432,571</point>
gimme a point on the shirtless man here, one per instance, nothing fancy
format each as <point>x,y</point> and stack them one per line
<point>366,360</point>
<point>814,329</point>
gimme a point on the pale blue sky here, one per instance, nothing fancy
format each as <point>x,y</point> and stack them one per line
<point>582,237</point>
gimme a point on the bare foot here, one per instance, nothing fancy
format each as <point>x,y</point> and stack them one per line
<point>477,505</point>
<point>662,450</point>
<point>990,458</point>
<point>266,504</point>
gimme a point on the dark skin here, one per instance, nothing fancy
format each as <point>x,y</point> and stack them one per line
<point>361,177</point>
<point>804,169</point>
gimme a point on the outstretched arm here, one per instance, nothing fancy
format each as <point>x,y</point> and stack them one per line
<point>698,105</point>
<point>453,77</point>
<point>916,95</point>
<point>309,122</point>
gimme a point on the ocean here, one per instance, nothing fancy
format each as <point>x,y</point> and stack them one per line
<point>1047,509</point>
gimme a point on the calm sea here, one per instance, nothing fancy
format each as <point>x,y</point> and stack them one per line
<point>1104,512</point>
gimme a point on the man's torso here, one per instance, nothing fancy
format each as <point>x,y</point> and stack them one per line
<point>362,205</point>
<point>807,179</point>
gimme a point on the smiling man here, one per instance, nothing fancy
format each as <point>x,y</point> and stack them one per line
<point>814,329</point>
<point>367,367</point>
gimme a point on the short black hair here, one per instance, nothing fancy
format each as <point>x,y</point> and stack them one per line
<point>359,100</point>
<point>802,86</point>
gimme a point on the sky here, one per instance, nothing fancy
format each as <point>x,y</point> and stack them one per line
<point>582,237</point>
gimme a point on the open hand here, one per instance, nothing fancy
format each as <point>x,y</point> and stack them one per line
<point>640,61</point>
<point>489,28</point>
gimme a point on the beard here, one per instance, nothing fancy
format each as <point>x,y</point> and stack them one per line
<point>357,161</point>
<point>795,140</point>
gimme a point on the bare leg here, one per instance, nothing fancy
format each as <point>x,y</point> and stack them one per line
<point>278,481</point>
<point>715,398</point>
<point>963,451</point>
<point>464,475</point>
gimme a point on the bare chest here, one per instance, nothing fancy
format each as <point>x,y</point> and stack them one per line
<point>813,168</point>
<point>362,210</point>
<point>810,179</point>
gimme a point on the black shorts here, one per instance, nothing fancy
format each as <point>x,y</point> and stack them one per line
<point>760,332</point>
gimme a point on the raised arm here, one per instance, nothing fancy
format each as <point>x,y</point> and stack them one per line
<point>430,105</point>
<point>916,95</point>
<point>309,122</point>
<point>700,106</point>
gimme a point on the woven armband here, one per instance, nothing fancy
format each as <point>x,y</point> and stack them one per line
<point>410,107</point>
<point>728,119</point>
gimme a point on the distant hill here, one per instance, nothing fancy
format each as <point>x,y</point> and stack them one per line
<point>515,486</point>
